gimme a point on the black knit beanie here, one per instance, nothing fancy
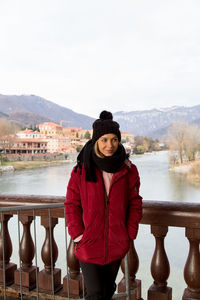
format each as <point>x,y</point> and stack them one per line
<point>105,125</point>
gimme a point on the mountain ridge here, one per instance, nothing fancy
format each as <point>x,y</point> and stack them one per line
<point>154,122</point>
<point>35,105</point>
<point>31,110</point>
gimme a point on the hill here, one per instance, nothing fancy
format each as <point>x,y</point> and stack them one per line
<point>154,123</point>
<point>31,109</point>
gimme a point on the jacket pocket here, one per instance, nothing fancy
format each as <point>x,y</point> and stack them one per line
<point>76,245</point>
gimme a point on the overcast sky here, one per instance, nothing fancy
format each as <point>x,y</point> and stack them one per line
<point>94,55</point>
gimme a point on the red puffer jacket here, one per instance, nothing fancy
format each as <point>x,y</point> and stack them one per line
<point>107,223</point>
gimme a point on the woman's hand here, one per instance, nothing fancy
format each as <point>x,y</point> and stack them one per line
<point>78,238</point>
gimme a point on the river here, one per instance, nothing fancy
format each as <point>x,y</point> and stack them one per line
<point>157,183</point>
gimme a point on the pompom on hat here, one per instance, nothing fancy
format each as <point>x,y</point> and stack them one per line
<point>105,125</point>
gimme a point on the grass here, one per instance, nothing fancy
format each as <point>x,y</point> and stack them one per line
<point>194,174</point>
<point>191,171</point>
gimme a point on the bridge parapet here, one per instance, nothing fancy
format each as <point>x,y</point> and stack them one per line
<point>28,280</point>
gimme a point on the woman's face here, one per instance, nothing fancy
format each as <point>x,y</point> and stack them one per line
<point>108,144</point>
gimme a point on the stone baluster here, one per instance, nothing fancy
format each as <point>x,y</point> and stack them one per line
<point>45,276</point>
<point>135,284</point>
<point>192,266</point>
<point>160,268</point>
<point>74,278</point>
<point>27,251</point>
<point>9,267</point>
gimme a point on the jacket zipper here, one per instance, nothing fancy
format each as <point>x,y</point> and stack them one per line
<point>106,227</point>
<point>106,220</point>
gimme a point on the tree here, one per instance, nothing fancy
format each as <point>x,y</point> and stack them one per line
<point>192,143</point>
<point>138,140</point>
<point>146,144</point>
<point>87,135</point>
<point>184,139</point>
<point>77,134</point>
<point>7,134</point>
<point>176,137</point>
<point>139,149</point>
<point>35,128</point>
<point>79,148</point>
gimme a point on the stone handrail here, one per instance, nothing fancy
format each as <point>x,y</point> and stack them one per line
<point>158,214</point>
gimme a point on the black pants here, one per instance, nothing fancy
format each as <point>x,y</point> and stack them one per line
<point>100,280</point>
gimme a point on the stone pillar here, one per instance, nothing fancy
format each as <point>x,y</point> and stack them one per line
<point>192,266</point>
<point>72,283</point>
<point>45,276</point>
<point>160,268</point>
<point>135,284</point>
<point>5,238</point>
<point>27,251</point>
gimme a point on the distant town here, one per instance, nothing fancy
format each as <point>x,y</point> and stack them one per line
<point>51,138</point>
<point>52,143</point>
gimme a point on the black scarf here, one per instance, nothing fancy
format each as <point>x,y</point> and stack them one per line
<point>110,164</point>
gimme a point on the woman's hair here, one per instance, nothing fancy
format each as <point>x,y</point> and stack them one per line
<point>96,150</point>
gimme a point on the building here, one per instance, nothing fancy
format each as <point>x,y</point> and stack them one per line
<point>29,134</point>
<point>26,146</point>
<point>50,129</point>
<point>127,136</point>
<point>58,144</point>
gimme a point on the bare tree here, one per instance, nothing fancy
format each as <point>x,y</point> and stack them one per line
<point>184,139</point>
<point>176,137</point>
<point>7,134</point>
<point>192,142</point>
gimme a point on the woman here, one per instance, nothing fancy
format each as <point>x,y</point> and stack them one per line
<point>103,207</point>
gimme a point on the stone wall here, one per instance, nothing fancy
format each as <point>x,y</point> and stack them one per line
<point>34,157</point>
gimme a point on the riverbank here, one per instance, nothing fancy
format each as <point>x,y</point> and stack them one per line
<point>23,165</point>
<point>191,170</point>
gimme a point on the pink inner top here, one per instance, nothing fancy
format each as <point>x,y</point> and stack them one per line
<point>107,177</point>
